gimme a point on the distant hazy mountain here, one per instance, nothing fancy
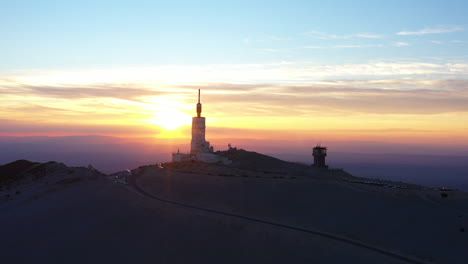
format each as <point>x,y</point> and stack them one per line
<point>445,166</point>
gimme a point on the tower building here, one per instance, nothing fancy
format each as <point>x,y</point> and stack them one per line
<point>319,154</point>
<point>200,149</point>
<point>199,144</point>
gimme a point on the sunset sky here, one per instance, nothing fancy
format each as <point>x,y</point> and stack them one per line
<point>315,71</point>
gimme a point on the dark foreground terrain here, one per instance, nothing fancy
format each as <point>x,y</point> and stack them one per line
<point>251,211</point>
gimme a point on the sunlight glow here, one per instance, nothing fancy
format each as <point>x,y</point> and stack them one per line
<point>170,118</point>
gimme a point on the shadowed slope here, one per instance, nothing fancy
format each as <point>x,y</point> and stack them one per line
<point>99,221</point>
<point>255,161</point>
<point>13,171</point>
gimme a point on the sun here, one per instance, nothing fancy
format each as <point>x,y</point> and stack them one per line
<point>171,118</point>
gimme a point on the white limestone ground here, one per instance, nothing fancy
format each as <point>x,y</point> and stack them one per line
<point>409,219</point>
<point>97,220</point>
<point>43,178</point>
<point>100,221</point>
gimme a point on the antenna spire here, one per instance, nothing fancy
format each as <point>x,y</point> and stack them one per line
<point>199,106</point>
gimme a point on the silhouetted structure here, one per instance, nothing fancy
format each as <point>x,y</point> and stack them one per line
<point>200,149</point>
<point>319,154</point>
<point>199,144</point>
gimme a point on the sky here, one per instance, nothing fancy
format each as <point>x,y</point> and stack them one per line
<point>310,71</point>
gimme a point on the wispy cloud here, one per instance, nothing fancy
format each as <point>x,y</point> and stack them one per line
<point>276,38</point>
<point>268,38</point>
<point>322,35</point>
<point>425,31</point>
<point>271,50</point>
<point>400,44</point>
<point>368,35</point>
<point>337,104</point>
<point>50,128</point>
<point>343,46</point>
<point>315,47</point>
<point>129,81</point>
<point>357,46</point>
<point>384,96</point>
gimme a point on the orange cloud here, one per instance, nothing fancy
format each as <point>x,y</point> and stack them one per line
<point>381,109</point>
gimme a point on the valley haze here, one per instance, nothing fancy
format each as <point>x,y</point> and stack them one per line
<point>427,165</point>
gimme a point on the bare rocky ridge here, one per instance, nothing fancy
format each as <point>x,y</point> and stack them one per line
<point>256,210</point>
<point>13,172</point>
<point>25,178</point>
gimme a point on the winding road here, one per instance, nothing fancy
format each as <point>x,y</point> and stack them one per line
<point>133,182</point>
